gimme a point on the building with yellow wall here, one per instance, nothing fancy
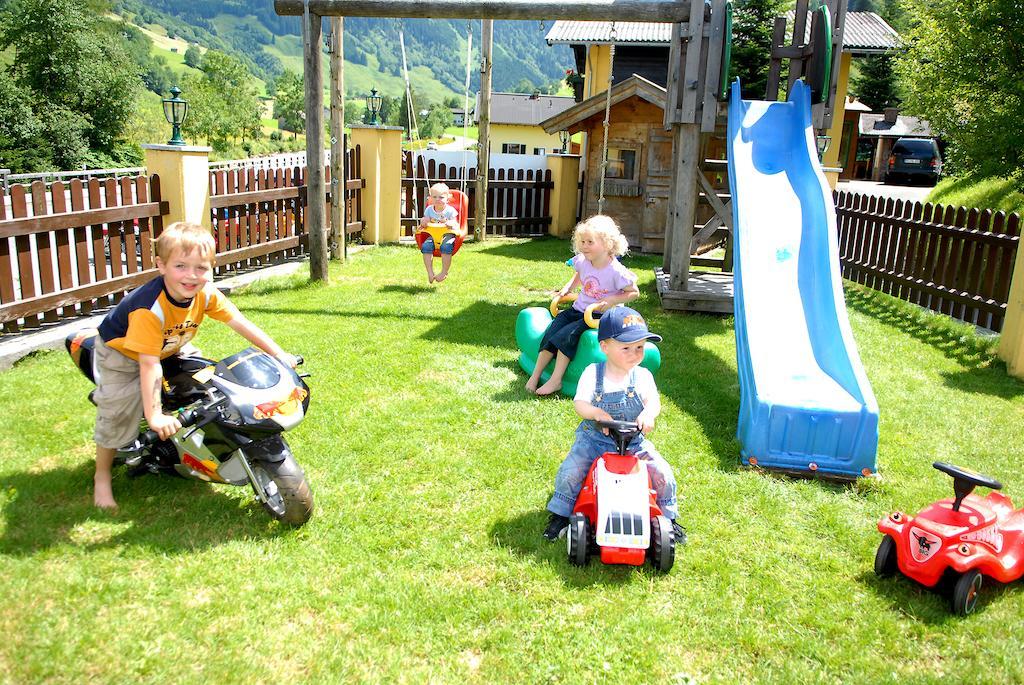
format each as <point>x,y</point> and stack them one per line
<point>515,119</point>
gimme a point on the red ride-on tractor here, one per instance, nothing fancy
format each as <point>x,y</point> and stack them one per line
<point>956,541</point>
<point>616,513</point>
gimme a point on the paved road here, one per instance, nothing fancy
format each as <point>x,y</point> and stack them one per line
<point>912,193</point>
<point>459,143</point>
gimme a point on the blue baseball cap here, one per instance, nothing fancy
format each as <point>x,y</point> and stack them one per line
<point>624,325</point>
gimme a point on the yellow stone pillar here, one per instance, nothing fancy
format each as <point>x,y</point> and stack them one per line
<point>565,174</point>
<point>184,172</point>
<point>380,155</point>
<point>830,161</point>
<point>1011,341</point>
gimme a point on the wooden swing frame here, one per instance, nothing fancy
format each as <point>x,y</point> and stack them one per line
<point>691,110</point>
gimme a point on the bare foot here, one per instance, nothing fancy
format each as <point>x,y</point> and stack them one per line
<point>531,386</point>
<point>103,495</point>
<point>549,388</point>
<point>440,277</point>
<point>430,278</point>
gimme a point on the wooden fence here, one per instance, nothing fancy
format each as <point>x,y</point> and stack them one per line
<point>68,246</point>
<point>953,260</point>
<point>518,200</point>
<point>258,213</point>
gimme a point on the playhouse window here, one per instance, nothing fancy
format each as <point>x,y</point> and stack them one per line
<point>621,164</point>
<point>514,148</point>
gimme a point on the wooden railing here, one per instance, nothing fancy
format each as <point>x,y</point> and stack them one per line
<point>953,260</point>
<point>258,213</point>
<point>518,200</point>
<point>76,245</point>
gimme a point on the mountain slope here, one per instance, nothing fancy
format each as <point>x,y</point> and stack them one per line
<point>435,48</point>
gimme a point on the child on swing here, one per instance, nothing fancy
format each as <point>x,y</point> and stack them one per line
<point>440,212</point>
<point>601,279</point>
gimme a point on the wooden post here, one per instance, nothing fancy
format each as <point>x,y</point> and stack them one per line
<point>316,194</point>
<point>682,200</point>
<point>339,215</point>
<point>483,161</point>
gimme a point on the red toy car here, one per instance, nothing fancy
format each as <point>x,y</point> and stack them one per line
<point>616,511</point>
<point>954,542</point>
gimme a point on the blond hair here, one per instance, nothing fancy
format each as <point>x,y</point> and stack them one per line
<point>603,228</point>
<point>186,236</point>
<point>441,189</point>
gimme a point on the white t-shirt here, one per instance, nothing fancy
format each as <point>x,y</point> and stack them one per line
<point>447,214</point>
<point>645,386</point>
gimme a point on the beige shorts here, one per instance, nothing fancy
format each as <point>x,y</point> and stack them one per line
<point>118,397</point>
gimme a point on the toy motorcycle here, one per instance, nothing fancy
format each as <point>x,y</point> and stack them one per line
<point>956,541</point>
<point>616,513</point>
<point>232,414</point>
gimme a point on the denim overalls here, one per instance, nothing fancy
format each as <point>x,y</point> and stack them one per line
<point>591,443</point>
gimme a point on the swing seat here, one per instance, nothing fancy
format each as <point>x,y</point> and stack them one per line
<point>530,326</point>
<point>458,200</point>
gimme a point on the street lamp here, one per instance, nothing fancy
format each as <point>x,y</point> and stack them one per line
<point>175,111</point>
<point>823,143</point>
<point>373,102</point>
<point>563,136</point>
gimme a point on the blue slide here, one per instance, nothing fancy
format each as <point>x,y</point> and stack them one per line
<point>805,402</point>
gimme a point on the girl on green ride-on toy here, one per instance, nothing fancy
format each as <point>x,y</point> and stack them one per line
<point>601,279</point>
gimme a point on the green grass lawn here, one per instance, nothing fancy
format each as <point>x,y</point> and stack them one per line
<point>431,468</point>
<point>986,193</point>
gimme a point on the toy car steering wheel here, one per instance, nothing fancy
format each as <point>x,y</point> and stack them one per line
<point>588,315</point>
<point>965,480</point>
<point>622,432</point>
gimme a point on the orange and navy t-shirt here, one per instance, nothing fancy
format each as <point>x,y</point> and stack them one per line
<point>150,321</point>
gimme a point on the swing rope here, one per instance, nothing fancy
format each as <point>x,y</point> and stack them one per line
<point>607,120</point>
<point>465,109</point>
<point>414,133</point>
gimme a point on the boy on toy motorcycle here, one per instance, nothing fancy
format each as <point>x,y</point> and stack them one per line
<point>155,321</point>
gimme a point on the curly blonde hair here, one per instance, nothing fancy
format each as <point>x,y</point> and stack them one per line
<point>603,228</point>
<point>186,236</point>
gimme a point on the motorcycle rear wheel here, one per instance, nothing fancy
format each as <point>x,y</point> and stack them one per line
<point>289,498</point>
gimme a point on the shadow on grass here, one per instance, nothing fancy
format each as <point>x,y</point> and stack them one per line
<point>532,250</point>
<point>983,372</point>
<point>929,605</point>
<point>521,535</point>
<point>481,323</point>
<point>405,289</point>
<point>54,508</point>
<point>360,314</point>
<point>698,381</point>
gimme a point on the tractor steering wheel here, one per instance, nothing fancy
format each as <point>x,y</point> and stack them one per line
<point>965,480</point>
<point>622,432</point>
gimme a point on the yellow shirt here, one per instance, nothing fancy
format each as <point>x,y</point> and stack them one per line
<point>149,321</point>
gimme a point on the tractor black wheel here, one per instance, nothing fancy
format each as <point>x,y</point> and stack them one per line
<point>577,540</point>
<point>885,558</point>
<point>662,551</point>
<point>965,593</point>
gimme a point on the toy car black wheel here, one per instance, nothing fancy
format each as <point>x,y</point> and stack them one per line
<point>662,551</point>
<point>885,557</point>
<point>577,540</point>
<point>965,593</point>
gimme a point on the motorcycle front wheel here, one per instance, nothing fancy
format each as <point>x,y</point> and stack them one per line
<point>289,498</point>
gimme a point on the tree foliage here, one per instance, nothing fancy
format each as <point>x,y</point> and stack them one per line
<point>875,85</point>
<point>290,104</point>
<point>71,69</point>
<point>752,44</point>
<point>194,56</point>
<point>961,72</point>
<point>222,102</point>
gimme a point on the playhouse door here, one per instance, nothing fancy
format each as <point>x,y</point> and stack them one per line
<point>656,190</point>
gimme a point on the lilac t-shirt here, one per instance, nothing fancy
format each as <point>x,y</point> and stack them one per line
<point>598,284</point>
